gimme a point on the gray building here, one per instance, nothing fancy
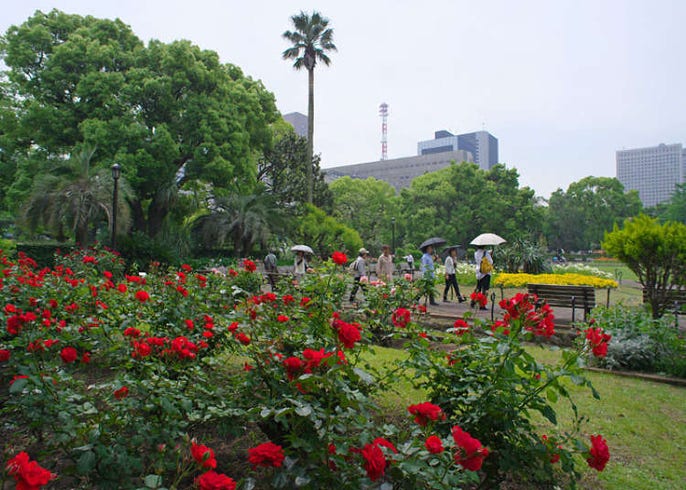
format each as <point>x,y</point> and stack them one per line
<point>481,144</point>
<point>298,121</point>
<point>399,172</point>
<point>654,171</point>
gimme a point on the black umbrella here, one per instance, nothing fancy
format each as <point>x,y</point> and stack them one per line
<point>433,242</point>
<point>460,251</point>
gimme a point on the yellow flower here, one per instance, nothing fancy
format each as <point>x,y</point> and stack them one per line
<point>508,280</point>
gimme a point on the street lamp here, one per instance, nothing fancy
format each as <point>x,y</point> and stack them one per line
<point>393,234</point>
<point>116,173</point>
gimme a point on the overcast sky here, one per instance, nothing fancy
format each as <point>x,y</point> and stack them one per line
<point>562,84</point>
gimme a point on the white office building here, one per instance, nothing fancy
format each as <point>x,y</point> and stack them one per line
<point>654,171</point>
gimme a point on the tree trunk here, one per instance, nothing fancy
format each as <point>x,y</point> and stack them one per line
<point>310,132</point>
<point>139,223</point>
<point>157,211</point>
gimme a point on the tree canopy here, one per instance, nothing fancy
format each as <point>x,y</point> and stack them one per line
<point>168,113</point>
<point>578,218</point>
<point>461,201</point>
<point>655,252</point>
<point>368,206</point>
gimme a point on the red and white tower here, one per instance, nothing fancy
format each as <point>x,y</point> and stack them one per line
<point>383,112</point>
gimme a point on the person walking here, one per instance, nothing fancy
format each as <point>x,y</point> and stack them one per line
<point>384,266</point>
<point>427,269</point>
<point>271,269</point>
<point>450,277</point>
<point>300,265</point>
<point>359,267</point>
<point>484,267</point>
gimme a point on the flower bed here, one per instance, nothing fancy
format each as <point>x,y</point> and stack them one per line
<point>118,381</point>
<point>509,280</point>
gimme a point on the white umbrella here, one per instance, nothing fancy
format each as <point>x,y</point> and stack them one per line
<point>302,248</point>
<point>488,239</point>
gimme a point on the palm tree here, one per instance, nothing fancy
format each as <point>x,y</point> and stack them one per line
<point>73,197</point>
<point>242,220</point>
<point>311,39</point>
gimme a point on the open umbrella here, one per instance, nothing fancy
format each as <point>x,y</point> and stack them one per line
<point>488,239</point>
<point>460,251</point>
<point>302,248</point>
<point>433,242</point>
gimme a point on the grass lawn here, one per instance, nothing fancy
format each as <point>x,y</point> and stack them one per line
<point>644,423</point>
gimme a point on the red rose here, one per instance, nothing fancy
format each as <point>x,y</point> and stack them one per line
<point>4,355</point>
<point>266,454</point>
<point>249,265</point>
<point>425,412</point>
<point>121,393</point>
<point>293,367</point>
<point>339,258</point>
<point>203,455</point>
<point>374,461</point>
<point>282,319</point>
<point>479,298</point>
<point>29,475</point>
<point>122,288</point>
<point>348,333</point>
<point>242,338</point>
<point>461,327</point>
<point>433,444</point>
<point>470,453</point>
<point>215,481</point>
<point>599,453</point>
<point>598,341</point>
<point>142,296</point>
<point>69,355</point>
<point>401,317</point>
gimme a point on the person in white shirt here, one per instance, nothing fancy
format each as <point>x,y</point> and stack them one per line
<point>450,277</point>
<point>483,271</point>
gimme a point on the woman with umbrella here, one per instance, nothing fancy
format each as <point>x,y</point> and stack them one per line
<point>300,266</point>
<point>484,261</point>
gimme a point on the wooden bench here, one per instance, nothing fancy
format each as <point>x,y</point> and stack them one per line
<point>676,299</point>
<point>565,296</point>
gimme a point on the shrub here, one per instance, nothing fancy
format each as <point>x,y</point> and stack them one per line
<point>640,342</point>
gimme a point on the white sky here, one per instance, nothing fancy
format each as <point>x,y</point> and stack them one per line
<point>562,84</point>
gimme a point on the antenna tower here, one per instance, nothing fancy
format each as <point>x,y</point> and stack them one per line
<point>383,112</point>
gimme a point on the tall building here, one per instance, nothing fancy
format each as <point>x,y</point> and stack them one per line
<point>654,171</point>
<point>399,172</point>
<point>298,121</point>
<point>481,144</point>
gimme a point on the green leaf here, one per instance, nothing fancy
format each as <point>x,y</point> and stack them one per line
<point>18,386</point>
<point>86,463</point>
<point>153,481</point>
<point>304,410</point>
<point>551,395</point>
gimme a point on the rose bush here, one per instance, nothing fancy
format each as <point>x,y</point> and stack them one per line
<point>112,375</point>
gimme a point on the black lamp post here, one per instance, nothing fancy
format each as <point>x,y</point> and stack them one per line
<point>393,234</point>
<point>116,173</point>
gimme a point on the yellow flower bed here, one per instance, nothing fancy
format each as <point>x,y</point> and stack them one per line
<point>508,280</point>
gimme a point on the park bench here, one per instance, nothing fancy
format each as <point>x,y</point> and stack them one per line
<point>573,297</point>
<point>676,299</point>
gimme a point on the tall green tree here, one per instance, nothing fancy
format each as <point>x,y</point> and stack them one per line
<point>655,252</point>
<point>675,208</point>
<point>324,233</point>
<point>168,113</point>
<point>75,198</point>
<point>311,38</point>
<point>283,172</point>
<point>578,218</point>
<point>367,206</point>
<point>462,201</point>
<point>242,220</point>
